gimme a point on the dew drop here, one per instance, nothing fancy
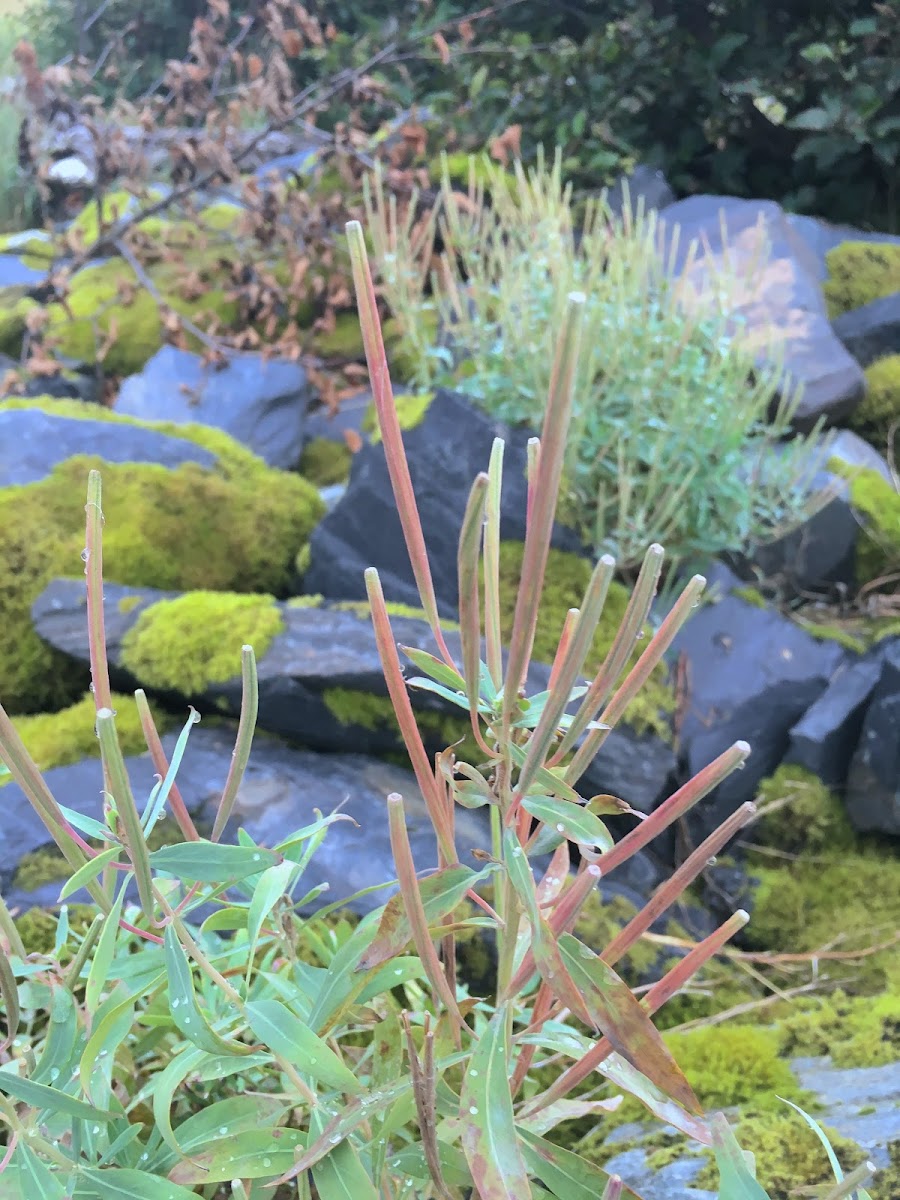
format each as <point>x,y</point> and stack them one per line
<point>256,858</point>
<point>474,1111</point>
<point>54,1073</point>
<point>333,1141</point>
<point>96,1129</point>
<point>313,1060</point>
<point>267,1162</point>
<point>473,1074</point>
<point>175,1002</point>
<point>85,555</point>
<point>560,829</point>
<point>223,1129</point>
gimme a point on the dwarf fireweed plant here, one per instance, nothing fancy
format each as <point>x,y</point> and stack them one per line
<point>201,1037</point>
<point>674,424</point>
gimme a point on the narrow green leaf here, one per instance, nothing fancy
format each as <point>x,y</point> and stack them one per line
<point>571,820</point>
<point>341,1174</point>
<point>269,889</point>
<point>566,1174</point>
<point>616,1010</point>
<point>547,780</point>
<point>98,976</point>
<point>183,1001</point>
<point>441,893</point>
<point>737,1179</point>
<point>225,1118</point>
<point>87,825</point>
<point>35,1180</point>
<point>125,1183</point>
<point>434,667</point>
<point>208,862</point>
<point>822,1136</point>
<point>50,1099</point>
<point>62,1033</point>
<point>275,1025</point>
<point>429,685</point>
<point>410,1161</point>
<point>117,774</point>
<point>157,802</point>
<point>489,1136</point>
<point>108,1034</point>
<point>91,869</point>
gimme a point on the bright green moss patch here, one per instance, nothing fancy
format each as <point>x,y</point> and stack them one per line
<point>854,1031</point>
<point>878,504</point>
<point>236,526</point>
<point>860,272</point>
<point>343,341</point>
<point>57,739</point>
<point>325,462</point>
<point>879,410</point>
<point>729,1064</point>
<point>565,581</point>
<point>128,604</point>
<point>411,410</point>
<point>188,643</point>
<point>751,595</point>
<point>804,814</point>
<point>32,245</point>
<point>374,713</point>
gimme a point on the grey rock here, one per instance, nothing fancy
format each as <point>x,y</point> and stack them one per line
<point>821,236</point>
<point>873,783</point>
<point>281,790</point>
<point>862,1103</point>
<point>785,301</point>
<point>751,675</point>
<point>14,271</point>
<point>824,739</point>
<point>871,332</point>
<point>644,186</point>
<point>633,765</point>
<point>259,401</point>
<point>34,441</point>
<point>446,451</point>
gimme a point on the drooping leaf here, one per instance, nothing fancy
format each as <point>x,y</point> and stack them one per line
<point>571,820</point>
<point>275,1025</point>
<point>209,862</point>
<point>253,1154</point>
<point>627,1077</point>
<point>489,1136</point>
<point>98,975</point>
<point>616,1010</point>
<point>269,889</point>
<point>545,1119</point>
<point>441,893</point>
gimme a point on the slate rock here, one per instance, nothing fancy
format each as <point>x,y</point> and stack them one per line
<point>820,237</point>
<point>445,452</point>
<point>15,270</point>
<point>260,401</point>
<point>873,783</point>
<point>281,789</point>
<point>826,736</point>
<point>34,441</point>
<point>751,675</point>
<point>871,332</point>
<point>645,185</point>
<point>784,299</point>
<point>321,648</point>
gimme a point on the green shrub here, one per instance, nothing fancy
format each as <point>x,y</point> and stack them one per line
<point>662,379</point>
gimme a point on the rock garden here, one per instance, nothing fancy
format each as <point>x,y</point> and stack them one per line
<point>736,399</point>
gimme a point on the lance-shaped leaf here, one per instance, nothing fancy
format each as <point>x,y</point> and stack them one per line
<point>50,1099</point>
<point>275,1025</point>
<point>489,1136</point>
<point>440,893</point>
<point>208,862</point>
<point>615,1009</point>
<point>737,1179</point>
<point>9,992</point>
<point>253,1154</point>
<point>183,1000</point>
<point>126,1183</point>
<point>573,821</point>
<point>340,1175</point>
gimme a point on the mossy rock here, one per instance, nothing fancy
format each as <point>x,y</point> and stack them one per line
<point>189,643</point>
<point>58,739</point>
<point>107,304</point>
<point>237,526</point>
<point>855,1031</point>
<point>115,206</point>
<point>808,817</point>
<point>438,730</point>
<point>411,409</point>
<point>860,272</point>
<point>565,581</point>
<point>878,504</point>
<point>344,341</point>
<point>325,462</point>
<point>879,410</point>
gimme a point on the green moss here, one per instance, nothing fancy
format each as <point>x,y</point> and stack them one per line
<point>855,1031</point>
<point>788,1154</point>
<point>114,207</point>
<point>56,739</point>
<point>402,358</point>
<point>37,930</point>
<point>853,638</point>
<point>853,898</point>
<point>237,525</point>
<point>462,165</point>
<point>195,640</point>
<point>128,604</point>
<point>860,272</point>
<point>730,1064</point>
<point>411,410</point>
<point>375,713</point>
<point>751,595</point>
<point>325,462</point>
<point>14,309</point>
<point>565,581</point>
<point>880,407</point>
<point>344,341</point>
<point>878,504</point>
<point>220,218</point>
<point>33,245</point>
<point>812,818</point>
<point>39,867</point>
<point>107,309</point>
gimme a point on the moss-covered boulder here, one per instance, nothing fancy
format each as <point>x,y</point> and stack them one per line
<point>877,503</point>
<point>225,522</point>
<point>879,411</point>
<point>859,272</point>
<point>325,462</point>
